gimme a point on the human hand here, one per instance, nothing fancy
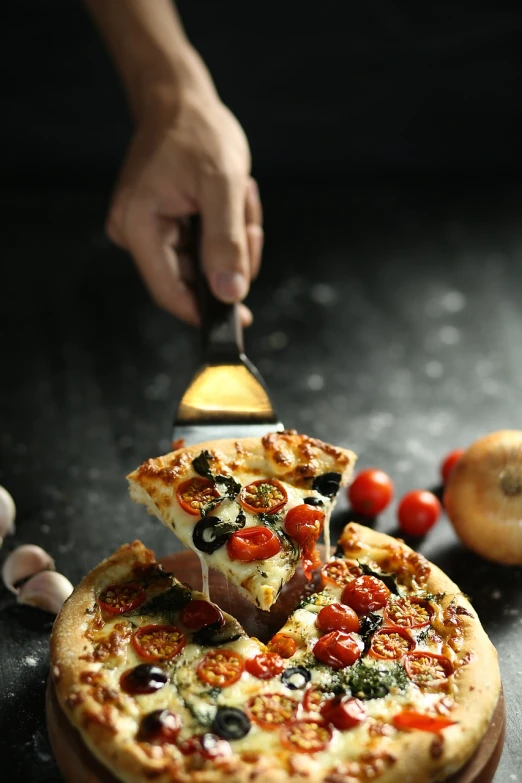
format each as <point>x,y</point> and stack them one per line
<point>187,158</point>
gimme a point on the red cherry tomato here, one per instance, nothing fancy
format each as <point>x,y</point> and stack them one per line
<point>158,642</point>
<point>449,462</point>
<point>313,700</point>
<point>194,494</point>
<point>118,599</point>
<point>408,719</point>
<point>343,713</point>
<point>199,614</point>
<point>160,726</point>
<point>221,668</point>
<point>365,594</point>
<point>417,512</point>
<point>265,496</point>
<point>337,649</point>
<point>253,543</point>
<point>337,617</point>
<point>307,735</point>
<point>409,613</point>
<point>427,669</point>
<point>271,710</point>
<point>305,524</point>
<point>282,644</point>
<point>265,666</point>
<point>391,644</point>
<point>371,491</point>
<point>339,572</point>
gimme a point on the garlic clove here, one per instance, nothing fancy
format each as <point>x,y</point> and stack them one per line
<point>25,561</point>
<point>46,590</point>
<point>7,513</point>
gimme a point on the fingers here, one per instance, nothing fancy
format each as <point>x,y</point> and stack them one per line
<point>150,239</point>
<point>225,253</point>
<point>254,227</point>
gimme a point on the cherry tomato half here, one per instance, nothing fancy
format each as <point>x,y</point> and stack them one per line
<point>271,710</point>
<point>343,713</point>
<point>265,496</point>
<point>365,594</point>
<point>221,668</point>
<point>417,512</point>
<point>408,719</point>
<point>194,494</point>
<point>253,543</point>
<point>306,736</point>
<point>371,491</point>
<point>337,617</point>
<point>282,644</point>
<point>409,613</point>
<point>118,599</point>
<point>313,699</point>
<point>337,649</point>
<point>305,524</point>
<point>199,614</point>
<point>427,669</point>
<point>265,666</point>
<point>158,642</point>
<point>391,644</point>
<point>339,572</point>
<point>449,462</point>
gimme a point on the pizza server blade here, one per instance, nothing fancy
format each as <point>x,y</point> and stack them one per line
<point>226,397</point>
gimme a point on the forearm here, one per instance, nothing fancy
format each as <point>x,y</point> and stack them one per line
<point>151,51</point>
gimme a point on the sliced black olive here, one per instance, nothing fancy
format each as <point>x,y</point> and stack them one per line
<point>367,627</point>
<point>231,723</point>
<point>327,484</point>
<point>216,634</point>
<point>211,533</point>
<point>295,678</point>
<point>311,501</point>
<point>157,723</point>
<point>144,678</point>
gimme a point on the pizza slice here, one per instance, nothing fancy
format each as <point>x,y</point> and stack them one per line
<point>250,508</point>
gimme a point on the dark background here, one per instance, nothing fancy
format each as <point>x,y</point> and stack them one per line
<point>387,139</point>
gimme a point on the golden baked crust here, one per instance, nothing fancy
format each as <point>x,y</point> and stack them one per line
<point>291,458</point>
<point>88,690</point>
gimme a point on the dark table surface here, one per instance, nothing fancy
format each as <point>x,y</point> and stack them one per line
<point>388,320</point>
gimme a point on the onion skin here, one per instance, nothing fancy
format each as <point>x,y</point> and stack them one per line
<point>483,497</point>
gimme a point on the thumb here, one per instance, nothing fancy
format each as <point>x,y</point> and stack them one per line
<point>224,241</point>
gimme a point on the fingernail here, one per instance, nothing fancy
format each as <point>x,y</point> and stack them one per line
<point>230,286</point>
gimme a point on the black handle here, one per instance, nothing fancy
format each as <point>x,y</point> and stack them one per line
<point>221,331</point>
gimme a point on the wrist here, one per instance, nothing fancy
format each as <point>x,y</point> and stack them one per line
<point>162,85</point>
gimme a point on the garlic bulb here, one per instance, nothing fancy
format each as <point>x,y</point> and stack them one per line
<point>7,513</point>
<point>46,590</point>
<point>25,561</point>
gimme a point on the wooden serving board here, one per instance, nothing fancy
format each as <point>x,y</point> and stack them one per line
<point>78,765</point>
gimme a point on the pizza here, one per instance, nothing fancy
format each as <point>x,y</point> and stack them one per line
<point>381,672</point>
<point>250,508</point>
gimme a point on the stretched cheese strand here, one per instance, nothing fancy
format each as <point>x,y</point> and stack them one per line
<point>327,538</point>
<point>204,575</point>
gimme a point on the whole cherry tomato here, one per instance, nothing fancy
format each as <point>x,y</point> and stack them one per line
<point>265,666</point>
<point>337,617</point>
<point>343,713</point>
<point>282,644</point>
<point>449,462</point>
<point>417,512</point>
<point>253,543</point>
<point>365,594</point>
<point>371,491</point>
<point>305,524</point>
<point>337,649</point>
